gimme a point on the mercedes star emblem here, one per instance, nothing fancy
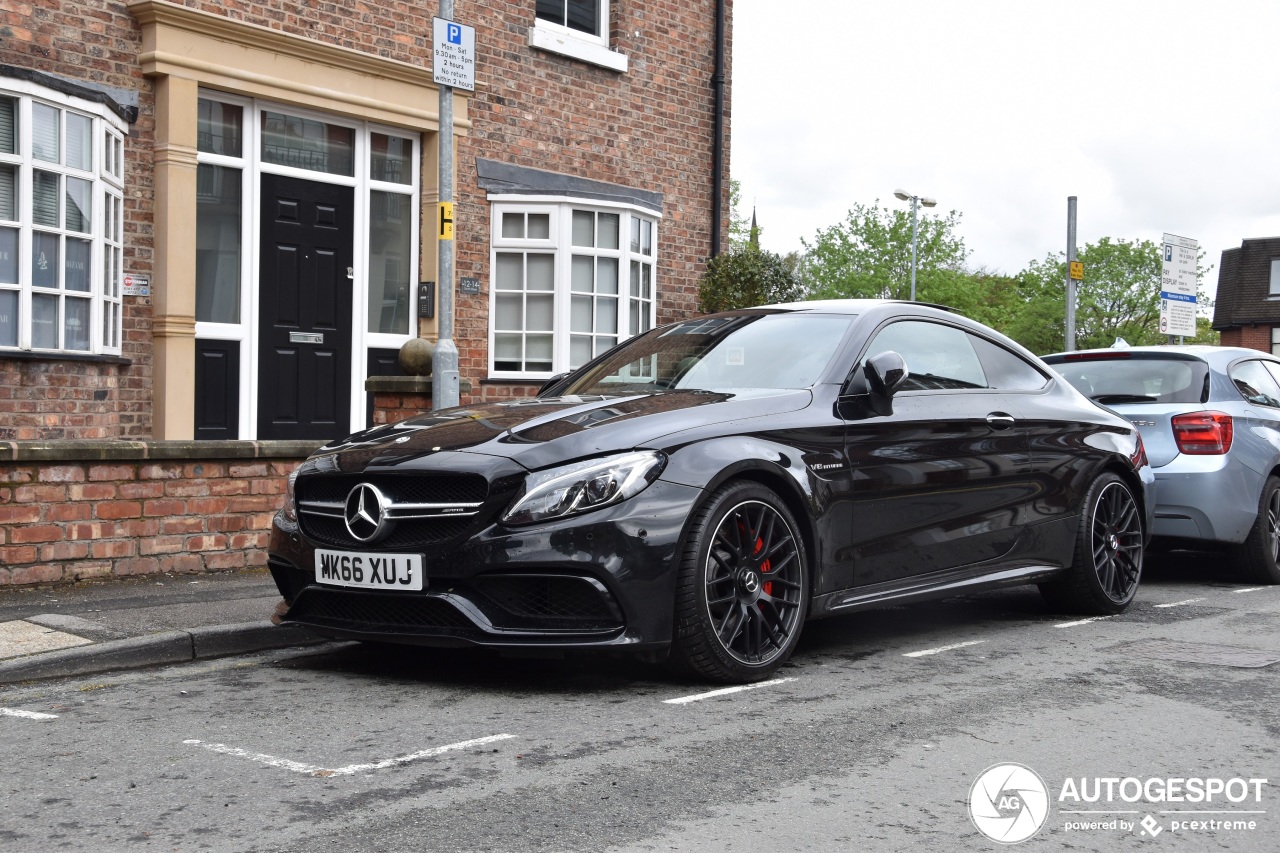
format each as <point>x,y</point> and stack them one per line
<point>366,513</point>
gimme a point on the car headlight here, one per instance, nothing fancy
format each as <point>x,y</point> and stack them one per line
<point>584,486</point>
<point>290,508</point>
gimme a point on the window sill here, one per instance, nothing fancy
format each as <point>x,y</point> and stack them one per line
<point>48,355</point>
<point>566,44</point>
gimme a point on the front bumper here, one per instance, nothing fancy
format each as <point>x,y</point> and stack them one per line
<point>600,580</point>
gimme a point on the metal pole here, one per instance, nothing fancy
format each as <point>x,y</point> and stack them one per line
<point>1071,282</point>
<point>914,201</point>
<point>444,370</point>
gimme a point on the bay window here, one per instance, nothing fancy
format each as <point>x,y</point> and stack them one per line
<point>61,222</point>
<point>569,281</point>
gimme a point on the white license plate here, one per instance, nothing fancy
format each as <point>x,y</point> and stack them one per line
<point>369,571</point>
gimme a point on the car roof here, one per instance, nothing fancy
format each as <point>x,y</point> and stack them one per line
<point>843,306</point>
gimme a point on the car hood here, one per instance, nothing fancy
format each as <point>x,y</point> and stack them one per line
<point>545,431</point>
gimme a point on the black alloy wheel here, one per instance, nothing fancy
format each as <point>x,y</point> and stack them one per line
<point>1104,576</point>
<point>1259,555</point>
<point>743,588</point>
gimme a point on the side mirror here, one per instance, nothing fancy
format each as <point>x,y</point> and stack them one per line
<point>551,383</point>
<point>886,372</point>
<point>869,391</point>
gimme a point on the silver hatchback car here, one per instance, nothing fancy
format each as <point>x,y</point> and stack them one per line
<point>1210,419</point>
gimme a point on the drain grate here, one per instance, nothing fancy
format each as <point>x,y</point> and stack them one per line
<point>1199,653</point>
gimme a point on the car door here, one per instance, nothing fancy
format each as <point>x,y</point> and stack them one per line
<point>942,481</point>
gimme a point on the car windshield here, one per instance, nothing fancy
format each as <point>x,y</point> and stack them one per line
<point>1137,380</point>
<point>718,354</point>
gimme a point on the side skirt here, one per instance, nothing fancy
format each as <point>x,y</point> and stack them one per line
<point>941,585</point>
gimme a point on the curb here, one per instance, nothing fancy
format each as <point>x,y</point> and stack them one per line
<point>157,649</point>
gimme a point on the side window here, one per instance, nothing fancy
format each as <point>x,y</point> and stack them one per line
<point>938,357</point>
<point>1256,384</point>
<point>1005,370</point>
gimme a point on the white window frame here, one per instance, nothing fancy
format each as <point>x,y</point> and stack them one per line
<point>106,250</point>
<point>252,167</point>
<point>559,244</point>
<point>1275,278</point>
<point>575,44</point>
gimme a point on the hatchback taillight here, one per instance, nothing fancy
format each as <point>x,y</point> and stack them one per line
<point>1203,433</point>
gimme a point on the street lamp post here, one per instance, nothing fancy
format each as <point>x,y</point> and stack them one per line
<point>915,200</point>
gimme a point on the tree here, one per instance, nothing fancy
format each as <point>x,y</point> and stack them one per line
<point>746,276</point>
<point>739,222</point>
<point>869,255</point>
<point>1118,298</point>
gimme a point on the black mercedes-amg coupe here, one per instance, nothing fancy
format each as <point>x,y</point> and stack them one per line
<point>700,491</point>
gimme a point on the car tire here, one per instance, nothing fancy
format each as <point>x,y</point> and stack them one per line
<point>1258,557</point>
<point>742,591</point>
<point>1107,567</point>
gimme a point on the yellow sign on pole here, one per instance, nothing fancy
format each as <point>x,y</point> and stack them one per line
<point>1077,270</point>
<point>446,220</point>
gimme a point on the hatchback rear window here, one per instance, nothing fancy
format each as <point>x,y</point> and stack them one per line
<point>1137,380</point>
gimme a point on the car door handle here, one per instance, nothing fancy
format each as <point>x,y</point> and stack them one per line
<point>999,420</point>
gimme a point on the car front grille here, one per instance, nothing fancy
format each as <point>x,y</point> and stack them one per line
<point>455,501</point>
<point>376,613</point>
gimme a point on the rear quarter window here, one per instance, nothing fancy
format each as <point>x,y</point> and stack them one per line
<point>1005,370</point>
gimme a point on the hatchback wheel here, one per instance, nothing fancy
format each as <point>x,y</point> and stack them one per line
<point>1103,578</point>
<point>743,588</point>
<point>1259,555</point>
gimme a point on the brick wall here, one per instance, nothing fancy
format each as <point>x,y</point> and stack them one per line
<point>69,520</point>
<point>97,42</point>
<point>649,128</point>
<point>1253,337</point>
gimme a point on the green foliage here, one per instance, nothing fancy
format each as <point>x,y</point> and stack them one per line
<point>744,277</point>
<point>1205,333</point>
<point>739,221</point>
<point>983,296</point>
<point>869,255</point>
<point>1118,298</point>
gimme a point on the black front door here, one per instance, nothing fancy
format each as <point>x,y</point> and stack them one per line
<point>305,305</point>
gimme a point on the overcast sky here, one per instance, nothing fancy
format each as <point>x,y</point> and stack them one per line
<point>1159,116</point>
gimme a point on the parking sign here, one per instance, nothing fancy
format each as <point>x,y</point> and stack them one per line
<point>1178,285</point>
<point>454,59</point>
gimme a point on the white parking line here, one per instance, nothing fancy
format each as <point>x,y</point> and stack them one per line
<point>924,652</point>
<point>26,715</point>
<point>316,770</point>
<point>1248,589</point>
<point>1180,603</point>
<point>724,691</point>
<point>1081,622</point>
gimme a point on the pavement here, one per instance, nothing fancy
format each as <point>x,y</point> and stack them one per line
<point>150,620</point>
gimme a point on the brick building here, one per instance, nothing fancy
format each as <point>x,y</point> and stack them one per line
<point>1247,309</point>
<point>216,219</point>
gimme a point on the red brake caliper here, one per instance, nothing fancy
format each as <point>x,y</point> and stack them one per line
<point>765,567</point>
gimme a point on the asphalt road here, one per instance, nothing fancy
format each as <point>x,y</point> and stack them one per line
<point>870,740</point>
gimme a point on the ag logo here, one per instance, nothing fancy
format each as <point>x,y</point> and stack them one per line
<point>1008,803</point>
